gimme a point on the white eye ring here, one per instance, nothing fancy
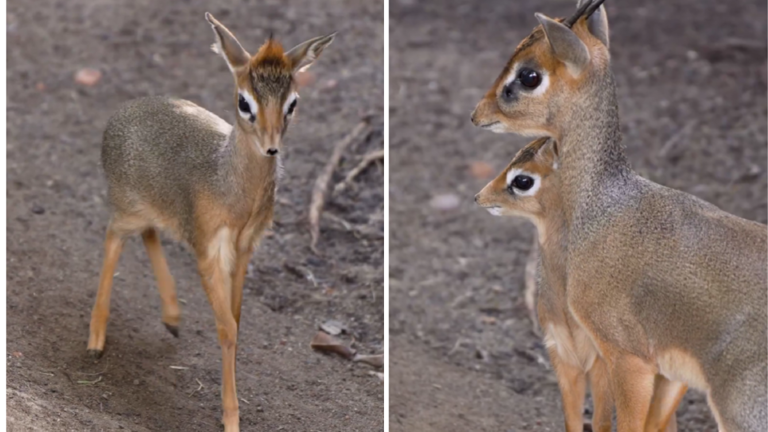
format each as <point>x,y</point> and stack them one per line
<point>288,101</point>
<point>246,95</point>
<point>514,172</point>
<point>538,91</point>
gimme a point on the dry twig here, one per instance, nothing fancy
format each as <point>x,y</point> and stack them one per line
<point>198,388</point>
<point>354,172</point>
<point>359,230</point>
<point>320,190</point>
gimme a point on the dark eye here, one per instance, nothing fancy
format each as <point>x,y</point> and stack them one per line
<point>529,78</point>
<point>243,105</point>
<point>522,182</point>
<point>292,106</point>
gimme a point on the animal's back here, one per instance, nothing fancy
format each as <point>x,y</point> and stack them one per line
<point>159,152</point>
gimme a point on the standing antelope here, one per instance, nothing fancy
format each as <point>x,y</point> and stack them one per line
<point>662,281</point>
<point>530,187</point>
<point>173,166</point>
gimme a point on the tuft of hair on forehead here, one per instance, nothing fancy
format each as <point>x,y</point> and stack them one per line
<point>271,55</point>
<point>271,73</point>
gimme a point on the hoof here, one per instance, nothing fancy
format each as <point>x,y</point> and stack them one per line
<point>95,353</point>
<point>173,329</point>
<point>588,427</point>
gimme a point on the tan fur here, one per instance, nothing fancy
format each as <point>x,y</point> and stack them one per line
<point>174,166</point>
<point>572,350</point>
<point>661,281</point>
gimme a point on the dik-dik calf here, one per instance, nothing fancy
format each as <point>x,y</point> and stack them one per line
<point>174,166</point>
<point>530,187</point>
<point>662,281</point>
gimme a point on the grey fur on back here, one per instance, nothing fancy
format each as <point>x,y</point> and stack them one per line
<point>159,152</point>
<point>692,276</point>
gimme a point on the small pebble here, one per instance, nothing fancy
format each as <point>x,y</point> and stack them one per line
<point>88,77</point>
<point>481,170</point>
<point>36,209</point>
<point>444,202</point>
<point>135,382</point>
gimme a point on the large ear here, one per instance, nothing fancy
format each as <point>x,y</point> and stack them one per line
<point>227,45</point>
<point>304,54</point>
<point>549,152</point>
<point>568,48</point>
<point>597,24</point>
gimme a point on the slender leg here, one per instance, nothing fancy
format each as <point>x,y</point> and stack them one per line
<point>238,279</point>
<point>666,398</point>
<point>165,283</point>
<point>572,384</point>
<point>217,282</point>
<point>632,384</point>
<point>113,245</point>
<point>531,266</point>
<point>601,396</point>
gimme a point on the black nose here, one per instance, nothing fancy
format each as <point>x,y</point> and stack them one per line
<point>472,118</point>
<point>476,197</point>
<point>272,151</point>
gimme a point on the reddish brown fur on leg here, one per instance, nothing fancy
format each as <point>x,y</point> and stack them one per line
<point>600,387</point>
<point>666,398</point>
<point>165,282</point>
<point>572,384</point>
<point>238,279</point>
<point>113,245</point>
<point>632,383</point>
<point>217,282</point>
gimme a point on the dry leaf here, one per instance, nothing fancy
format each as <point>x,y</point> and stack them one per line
<point>488,320</point>
<point>327,343</point>
<point>333,327</point>
<point>373,360</point>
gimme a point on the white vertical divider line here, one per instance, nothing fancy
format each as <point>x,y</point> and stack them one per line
<point>3,167</point>
<point>386,215</point>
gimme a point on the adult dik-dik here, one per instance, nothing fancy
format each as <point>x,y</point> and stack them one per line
<point>173,166</point>
<point>662,281</point>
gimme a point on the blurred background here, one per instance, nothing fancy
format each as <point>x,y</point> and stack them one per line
<point>691,80</point>
<point>70,64</point>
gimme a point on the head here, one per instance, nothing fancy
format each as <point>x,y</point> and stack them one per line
<point>265,87</point>
<point>527,186</point>
<point>548,71</point>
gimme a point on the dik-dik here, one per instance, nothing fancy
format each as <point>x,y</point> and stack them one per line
<point>529,187</point>
<point>662,281</point>
<point>173,166</point>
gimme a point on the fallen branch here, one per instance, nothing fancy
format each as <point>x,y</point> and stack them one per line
<point>358,230</point>
<point>320,190</point>
<point>86,382</point>
<point>198,388</point>
<point>367,160</point>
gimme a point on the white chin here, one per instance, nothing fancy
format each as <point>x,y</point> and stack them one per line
<point>496,211</point>
<point>498,128</point>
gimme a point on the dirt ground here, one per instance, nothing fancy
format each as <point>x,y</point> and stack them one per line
<point>692,88</point>
<point>147,380</point>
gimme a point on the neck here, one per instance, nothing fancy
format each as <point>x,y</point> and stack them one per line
<point>248,173</point>
<point>592,154</point>
<point>554,244</point>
